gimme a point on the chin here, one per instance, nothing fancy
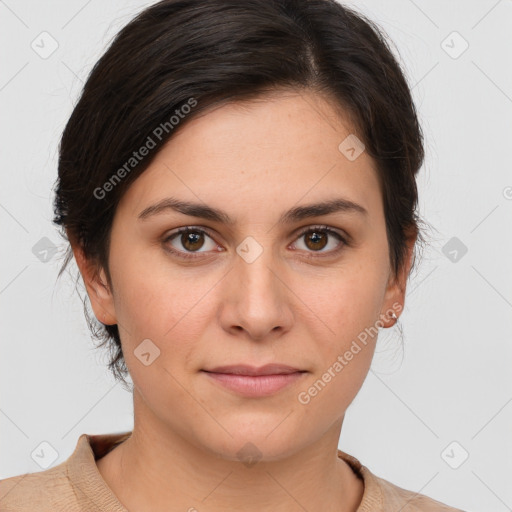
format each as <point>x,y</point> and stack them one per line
<point>255,439</point>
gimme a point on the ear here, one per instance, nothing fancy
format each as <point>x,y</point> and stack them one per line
<point>100,294</point>
<point>394,298</point>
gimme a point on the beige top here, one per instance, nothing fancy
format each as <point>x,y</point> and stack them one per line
<point>76,485</point>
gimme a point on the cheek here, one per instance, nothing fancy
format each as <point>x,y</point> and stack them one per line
<point>350,302</point>
<point>346,353</point>
<point>141,291</point>
<point>349,307</point>
<point>164,307</point>
<point>165,304</point>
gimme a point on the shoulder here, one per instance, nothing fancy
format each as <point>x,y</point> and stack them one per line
<point>74,484</point>
<point>47,490</point>
<point>409,501</point>
<point>381,495</point>
<point>412,501</point>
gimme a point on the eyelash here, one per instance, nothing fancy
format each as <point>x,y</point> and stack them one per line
<point>193,229</point>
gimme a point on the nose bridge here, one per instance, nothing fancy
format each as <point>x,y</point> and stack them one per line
<point>258,300</point>
<point>256,272</point>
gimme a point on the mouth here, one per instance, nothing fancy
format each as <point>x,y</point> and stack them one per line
<point>254,381</point>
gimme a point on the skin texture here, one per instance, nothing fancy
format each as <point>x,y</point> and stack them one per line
<point>254,160</point>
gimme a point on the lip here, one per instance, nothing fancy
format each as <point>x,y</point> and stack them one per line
<point>245,369</point>
<point>254,381</point>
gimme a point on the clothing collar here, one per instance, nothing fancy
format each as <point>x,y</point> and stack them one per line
<point>85,476</point>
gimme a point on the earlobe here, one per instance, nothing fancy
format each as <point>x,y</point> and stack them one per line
<point>395,293</point>
<point>393,308</point>
<point>394,298</point>
<point>100,294</point>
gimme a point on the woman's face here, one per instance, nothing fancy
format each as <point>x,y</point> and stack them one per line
<point>255,291</point>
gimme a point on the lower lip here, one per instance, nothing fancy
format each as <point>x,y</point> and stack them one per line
<point>255,385</point>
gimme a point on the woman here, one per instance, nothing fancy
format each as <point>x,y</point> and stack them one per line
<point>237,184</point>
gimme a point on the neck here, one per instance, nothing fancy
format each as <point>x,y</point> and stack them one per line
<point>157,469</point>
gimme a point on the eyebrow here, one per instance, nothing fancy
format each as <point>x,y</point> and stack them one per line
<point>214,214</point>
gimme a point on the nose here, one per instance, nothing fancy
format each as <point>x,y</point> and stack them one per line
<point>256,300</point>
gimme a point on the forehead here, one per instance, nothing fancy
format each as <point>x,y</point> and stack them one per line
<point>261,154</point>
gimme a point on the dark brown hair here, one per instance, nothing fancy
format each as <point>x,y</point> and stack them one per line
<point>179,53</point>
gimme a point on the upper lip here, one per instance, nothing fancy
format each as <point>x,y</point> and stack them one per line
<point>244,369</point>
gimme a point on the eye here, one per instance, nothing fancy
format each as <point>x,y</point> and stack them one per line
<point>190,239</point>
<point>317,238</point>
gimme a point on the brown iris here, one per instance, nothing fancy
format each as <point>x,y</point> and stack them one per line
<point>318,240</point>
<point>190,239</point>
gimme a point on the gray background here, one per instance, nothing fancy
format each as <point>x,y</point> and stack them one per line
<point>453,380</point>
